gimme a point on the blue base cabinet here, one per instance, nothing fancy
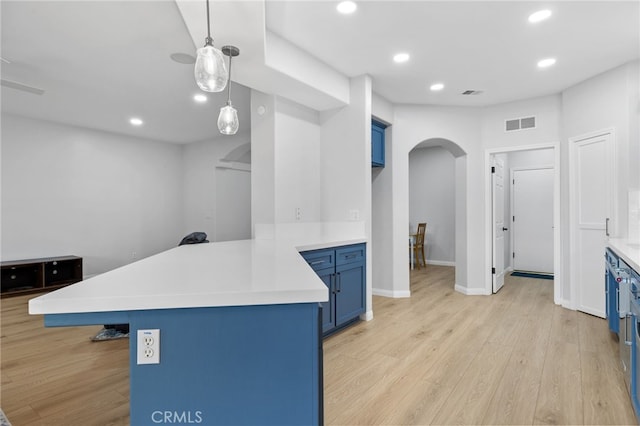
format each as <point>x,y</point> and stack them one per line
<point>611,291</point>
<point>342,269</point>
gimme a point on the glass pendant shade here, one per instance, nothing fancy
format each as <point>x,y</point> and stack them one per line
<point>228,120</point>
<point>210,70</point>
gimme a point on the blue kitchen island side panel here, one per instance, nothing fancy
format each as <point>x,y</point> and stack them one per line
<point>239,365</point>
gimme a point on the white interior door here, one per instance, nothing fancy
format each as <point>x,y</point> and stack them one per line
<point>590,198</point>
<point>497,178</point>
<point>532,199</point>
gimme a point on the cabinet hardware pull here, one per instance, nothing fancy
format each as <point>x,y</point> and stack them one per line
<point>351,256</point>
<point>317,262</point>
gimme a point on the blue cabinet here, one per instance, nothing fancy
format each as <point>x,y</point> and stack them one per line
<point>611,291</point>
<point>228,365</point>
<point>377,144</point>
<point>342,269</point>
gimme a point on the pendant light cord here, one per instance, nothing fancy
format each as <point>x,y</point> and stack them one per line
<point>229,82</point>
<point>208,40</point>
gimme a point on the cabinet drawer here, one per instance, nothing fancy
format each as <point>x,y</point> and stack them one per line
<point>320,259</point>
<point>350,254</point>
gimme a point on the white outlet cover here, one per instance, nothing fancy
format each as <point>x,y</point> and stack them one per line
<point>148,346</point>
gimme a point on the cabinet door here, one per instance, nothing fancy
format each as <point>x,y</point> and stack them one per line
<point>349,292</point>
<point>377,145</point>
<point>612,303</point>
<point>328,308</point>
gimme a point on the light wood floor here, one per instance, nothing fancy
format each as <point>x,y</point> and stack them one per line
<point>436,358</point>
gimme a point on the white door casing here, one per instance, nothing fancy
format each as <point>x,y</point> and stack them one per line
<point>497,195</point>
<point>591,183</point>
<point>532,219</point>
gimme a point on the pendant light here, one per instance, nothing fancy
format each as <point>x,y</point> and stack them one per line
<point>210,70</point>
<point>228,119</point>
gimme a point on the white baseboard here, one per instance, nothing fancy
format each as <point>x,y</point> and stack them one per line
<point>390,293</point>
<point>471,291</point>
<point>367,316</point>
<point>440,262</point>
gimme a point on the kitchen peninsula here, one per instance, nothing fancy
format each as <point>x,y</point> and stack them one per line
<point>239,333</point>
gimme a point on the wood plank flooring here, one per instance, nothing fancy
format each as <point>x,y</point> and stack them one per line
<point>438,357</point>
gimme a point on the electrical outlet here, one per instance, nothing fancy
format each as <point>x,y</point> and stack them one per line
<point>149,346</point>
<point>298,213</point>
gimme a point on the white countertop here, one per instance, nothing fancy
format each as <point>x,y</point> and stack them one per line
<point>232,273</point>
<point>628,251</point>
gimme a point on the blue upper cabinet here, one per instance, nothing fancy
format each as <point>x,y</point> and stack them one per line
<point>377,144</point>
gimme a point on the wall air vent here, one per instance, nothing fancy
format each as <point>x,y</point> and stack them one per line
<point>520,124</point>
<point>472,92</point>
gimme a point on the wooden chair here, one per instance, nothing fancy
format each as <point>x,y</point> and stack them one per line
<point>418,246</point>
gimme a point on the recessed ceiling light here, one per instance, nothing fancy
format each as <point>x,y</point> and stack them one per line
<point>401,57</point>
<point>546,62</point>
<point>346,7</point>
<point>200,98</point>
<point>136,121</point>
<point>437,86</point>
<point>540,15</point>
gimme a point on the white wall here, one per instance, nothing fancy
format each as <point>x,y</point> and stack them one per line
<point>69,190</point>
<point>263,159</point>
<point>459,126</point>
<point>286,156</point>
<point>209,191</point>
<point>547,111</point>
<point>606,101</point>
<point>381,217</point>
<point>474,131</point>
<point>320,163</point>
<point>381,247</point>
<point>432,200</point>
<point>297,163</point>
<point>346,166</point>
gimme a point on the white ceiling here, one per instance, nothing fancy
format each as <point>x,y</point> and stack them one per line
<point>467,45</point>
<point>101,62</point>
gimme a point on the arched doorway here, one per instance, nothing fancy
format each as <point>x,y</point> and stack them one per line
<point>436,196</point>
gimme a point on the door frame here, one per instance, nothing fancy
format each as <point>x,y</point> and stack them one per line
<point>557,230</point>
<point>497,277</point>
<point>612,209</point>
<point>512,203</point>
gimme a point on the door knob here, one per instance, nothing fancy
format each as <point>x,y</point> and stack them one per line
<point>505,229</point>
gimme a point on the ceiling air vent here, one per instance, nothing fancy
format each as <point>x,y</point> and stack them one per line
<point>520,124</point>
<point>472,92</point>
